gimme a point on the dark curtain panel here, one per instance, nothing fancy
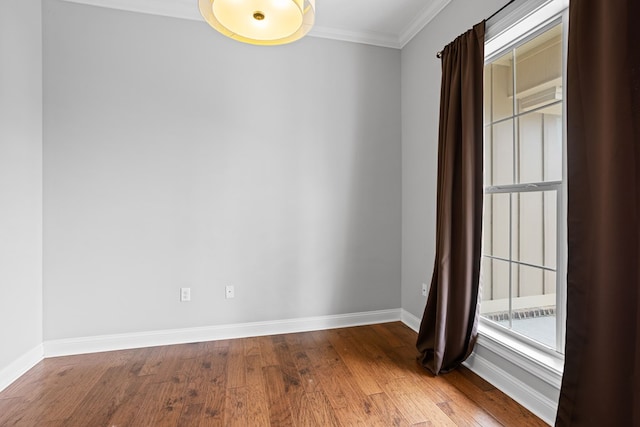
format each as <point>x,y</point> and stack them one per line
<point>448,329</point>
<point>601,383</point>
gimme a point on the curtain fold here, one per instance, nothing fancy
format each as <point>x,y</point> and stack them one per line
<point>448,328</point>
<point>601,382</point>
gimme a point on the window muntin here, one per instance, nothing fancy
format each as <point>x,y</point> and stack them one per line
<point>522,290</point>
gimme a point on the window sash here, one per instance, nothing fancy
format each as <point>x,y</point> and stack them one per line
<point>551,20</point>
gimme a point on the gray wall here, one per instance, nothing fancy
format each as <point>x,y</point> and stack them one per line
<point>420,113</point>
<point>176,157</point>
<point>20,178</point>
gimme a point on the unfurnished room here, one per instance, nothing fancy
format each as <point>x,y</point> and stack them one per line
<point>319,213</point>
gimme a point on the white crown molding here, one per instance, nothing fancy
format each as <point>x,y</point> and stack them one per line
<point>362,37</point>
<point>421,20</point>
<point>83,345</point>
<point>20,366</point>
<point>187,9</point>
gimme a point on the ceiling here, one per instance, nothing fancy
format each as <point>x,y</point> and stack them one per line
<point>387,23</point>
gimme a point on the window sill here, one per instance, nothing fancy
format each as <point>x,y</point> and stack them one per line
<point>529,375</point>
<point>545,364</point>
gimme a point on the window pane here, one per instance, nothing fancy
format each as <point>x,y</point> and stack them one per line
<point>495,289</point>
<point>549,282</point>
<point>533,310</point>
<point>534,224</point>
<point>550,225</point>
<point>530,281</point>
<point>488,155</point>
<point>500,281</point>
<point>539,72</point>
<point>487,94</point>
<point>530,148</point>
<point>552,147</point>
<point>539,147</point>
<point>500,141</point>
<point>500,75</point>
<point>486,280</point>
<point>496,225</point>
<point>528,228</point>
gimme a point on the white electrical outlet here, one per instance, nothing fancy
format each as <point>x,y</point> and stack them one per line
<point>185,294</point>
<point>424,289</point>
<point>229,292</point>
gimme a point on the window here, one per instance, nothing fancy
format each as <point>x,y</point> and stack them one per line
<point>523,285</point>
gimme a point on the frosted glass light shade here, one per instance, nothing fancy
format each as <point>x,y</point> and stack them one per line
<point>261,22</point>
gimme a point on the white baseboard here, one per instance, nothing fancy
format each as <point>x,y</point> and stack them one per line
<point>21,365</point>
<point>533,400</point>
<point>410,320</point>
<point>95,344</point>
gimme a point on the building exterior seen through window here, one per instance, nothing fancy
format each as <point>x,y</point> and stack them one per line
<point>523,155</point>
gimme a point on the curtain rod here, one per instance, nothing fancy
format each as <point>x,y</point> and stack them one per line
<point>439,54</point>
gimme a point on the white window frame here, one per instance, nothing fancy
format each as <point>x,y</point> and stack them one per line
<point>511,28</point>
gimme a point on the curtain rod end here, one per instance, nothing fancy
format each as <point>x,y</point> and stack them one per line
<point>439,55</point>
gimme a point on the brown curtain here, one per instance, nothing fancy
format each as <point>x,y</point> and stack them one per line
<point>601,383</point>
<point>448,329</point>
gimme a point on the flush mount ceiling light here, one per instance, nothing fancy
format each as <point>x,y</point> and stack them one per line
<point>261,22</point>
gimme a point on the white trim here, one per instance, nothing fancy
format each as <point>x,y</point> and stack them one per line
<point>511,16</point>
<point>363,37</point>
<point>185,9</point>
<point>519,391</point>
<point>94,344</point>
<point>542,364</point>
<point>519,22</point>
<point>410,320</point>
<point>20,366</point>
<point>421,20</point>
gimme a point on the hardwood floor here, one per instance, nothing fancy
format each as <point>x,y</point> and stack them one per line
<point>364,375</point>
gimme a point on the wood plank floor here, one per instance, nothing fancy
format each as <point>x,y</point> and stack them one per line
<point>365,375</point>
